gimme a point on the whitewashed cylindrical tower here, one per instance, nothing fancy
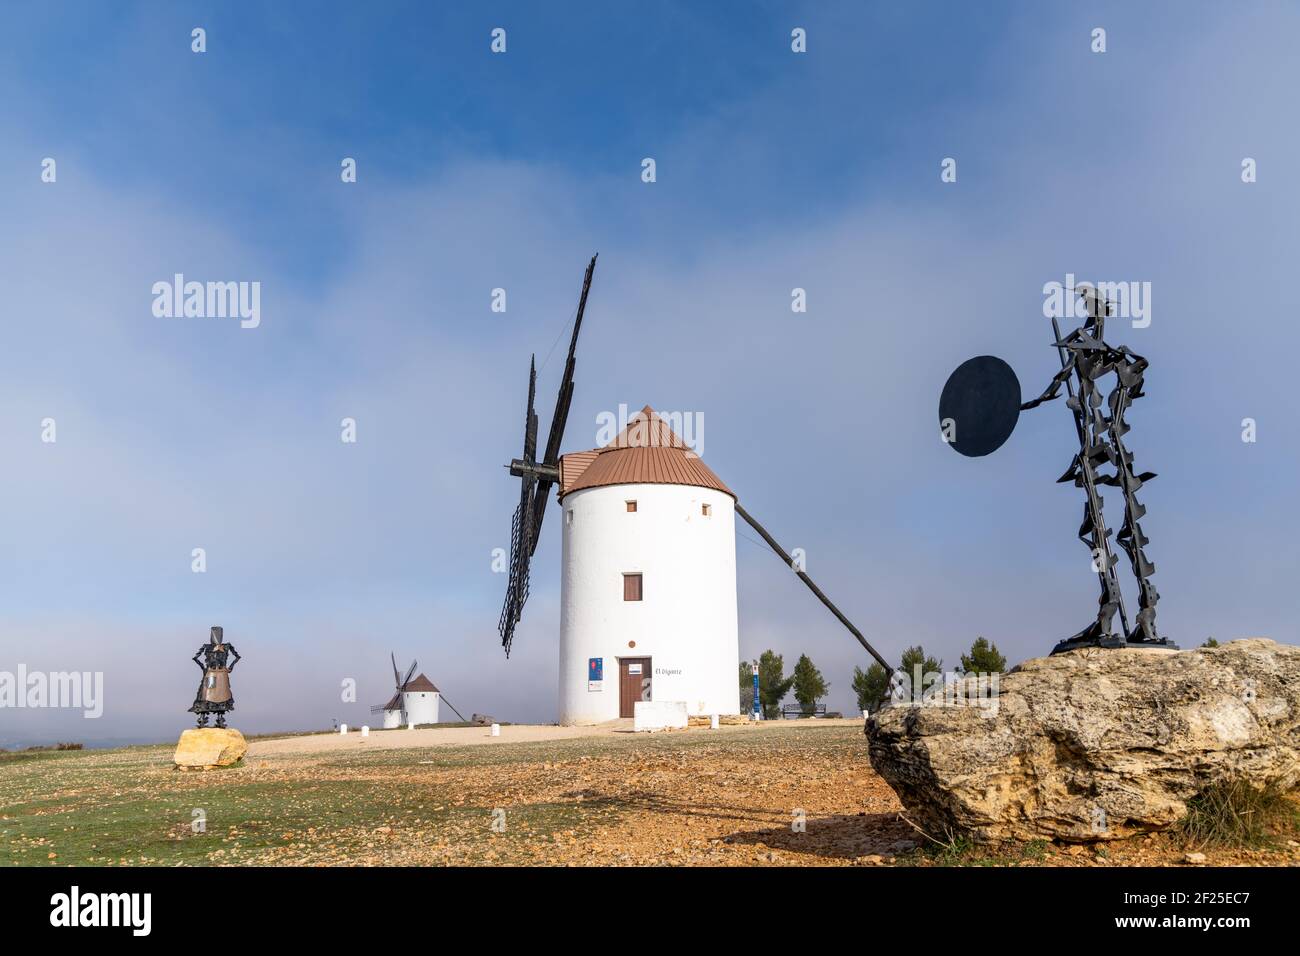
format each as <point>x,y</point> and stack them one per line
<point>415,703</point>
<point>421,704</point>
<point>648,579</point>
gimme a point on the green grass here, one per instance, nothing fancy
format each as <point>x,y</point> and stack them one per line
<point>140,814</point>
<point>1236,814</point>
<point>956,850</point>
<point>147,821</point>
<point>129,806</point>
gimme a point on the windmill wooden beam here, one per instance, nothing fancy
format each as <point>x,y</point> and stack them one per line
<point>812,586</point>
<point>522,469</point>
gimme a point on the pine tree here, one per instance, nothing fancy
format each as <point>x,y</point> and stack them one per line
<point>871,686</point>
<point>913,658</point>
<point>773,685</point>
<point>809,685</point>
<point>916,655</point>
<point>983,658</point>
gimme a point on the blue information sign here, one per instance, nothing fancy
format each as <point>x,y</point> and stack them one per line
<point>595,668</point>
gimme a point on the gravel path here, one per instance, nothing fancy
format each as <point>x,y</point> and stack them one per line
<point>470,736</point>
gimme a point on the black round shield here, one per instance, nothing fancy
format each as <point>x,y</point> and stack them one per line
<point>979,406</point>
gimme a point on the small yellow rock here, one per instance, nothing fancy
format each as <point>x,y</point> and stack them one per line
<point>207,747</point>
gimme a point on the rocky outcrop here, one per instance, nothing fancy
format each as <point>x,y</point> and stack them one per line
<point>205,748</point>
<point>1094,744</point>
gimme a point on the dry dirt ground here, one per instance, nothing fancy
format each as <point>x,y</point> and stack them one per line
<point>550,796</point>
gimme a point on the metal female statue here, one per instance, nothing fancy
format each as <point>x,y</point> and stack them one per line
<point>217,660</point>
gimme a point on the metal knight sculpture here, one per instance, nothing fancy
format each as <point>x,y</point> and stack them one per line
<point>217,662</point>
<point>979,408</point>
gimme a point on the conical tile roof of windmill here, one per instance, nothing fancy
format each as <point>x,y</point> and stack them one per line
<point>646,452</point>
<point>414,685</point>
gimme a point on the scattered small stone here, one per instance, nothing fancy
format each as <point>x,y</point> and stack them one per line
<point>1194,858</point>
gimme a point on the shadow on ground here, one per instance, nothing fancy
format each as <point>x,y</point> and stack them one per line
<point>844,836</point>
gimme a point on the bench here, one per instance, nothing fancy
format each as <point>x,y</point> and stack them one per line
<point>797,710</point>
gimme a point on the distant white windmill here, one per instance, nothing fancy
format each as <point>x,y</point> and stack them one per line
<point>414,701</point>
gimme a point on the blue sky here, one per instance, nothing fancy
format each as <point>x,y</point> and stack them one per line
<point>775,170</point>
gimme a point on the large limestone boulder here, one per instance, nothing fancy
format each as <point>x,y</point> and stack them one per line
<point>1095,744</point>
<point>203,748</point>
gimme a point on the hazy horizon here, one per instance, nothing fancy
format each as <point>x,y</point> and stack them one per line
<point>775,170</point>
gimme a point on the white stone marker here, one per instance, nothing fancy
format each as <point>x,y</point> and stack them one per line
<point>365,731</point>
<point>496,730</point>
<point>343,728</point>
<point>713,722</point>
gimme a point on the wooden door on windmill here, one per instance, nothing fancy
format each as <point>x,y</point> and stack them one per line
<point>633,683</point>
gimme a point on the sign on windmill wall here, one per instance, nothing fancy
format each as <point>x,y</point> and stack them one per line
<point>595,673</point>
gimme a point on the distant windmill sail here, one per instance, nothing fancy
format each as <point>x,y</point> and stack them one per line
<point>401,699</point>
<point>397,702</point>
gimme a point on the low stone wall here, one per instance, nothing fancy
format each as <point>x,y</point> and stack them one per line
<point>659,715</point>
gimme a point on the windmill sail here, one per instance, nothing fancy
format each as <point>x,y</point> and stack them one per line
<point>401,700</point>
<point>396,702</point>
<point>536,478</point>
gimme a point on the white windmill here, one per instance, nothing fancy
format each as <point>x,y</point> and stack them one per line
<point>414,701</point>
<point>648,578</point>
